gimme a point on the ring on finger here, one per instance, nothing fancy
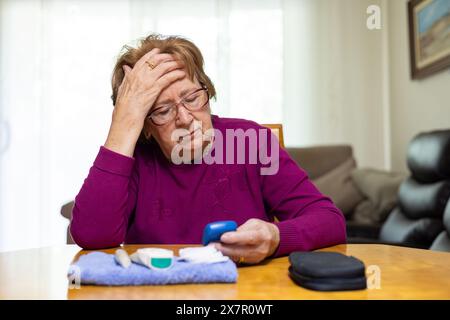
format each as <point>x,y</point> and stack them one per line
<point>150,64</point>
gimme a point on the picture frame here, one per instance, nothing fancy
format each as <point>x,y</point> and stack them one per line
<point>429,36</point>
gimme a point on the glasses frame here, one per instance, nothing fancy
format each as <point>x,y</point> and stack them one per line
<point>175,105</point>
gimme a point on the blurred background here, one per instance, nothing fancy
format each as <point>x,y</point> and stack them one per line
<point>312,65</point>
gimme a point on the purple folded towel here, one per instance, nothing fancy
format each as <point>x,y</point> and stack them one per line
<point>99,268</point>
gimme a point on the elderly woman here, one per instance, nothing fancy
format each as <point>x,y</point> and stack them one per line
<point>149,185</point>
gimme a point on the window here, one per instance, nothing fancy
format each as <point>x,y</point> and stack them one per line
<point>56,60</point>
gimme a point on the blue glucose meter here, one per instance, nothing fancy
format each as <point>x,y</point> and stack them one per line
<point>214,230</point>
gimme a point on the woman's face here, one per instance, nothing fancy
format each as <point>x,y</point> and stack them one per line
<point>184,119</point>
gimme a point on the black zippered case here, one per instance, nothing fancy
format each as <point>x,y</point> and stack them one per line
<point>327,271</point>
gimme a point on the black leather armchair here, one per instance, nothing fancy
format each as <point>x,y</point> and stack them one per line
<point>417,220</point>
<point>442,242</point>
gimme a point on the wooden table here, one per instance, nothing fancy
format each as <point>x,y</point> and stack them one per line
<point>405,274</point>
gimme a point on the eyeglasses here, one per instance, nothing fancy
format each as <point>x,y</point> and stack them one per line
<point>193,101</point>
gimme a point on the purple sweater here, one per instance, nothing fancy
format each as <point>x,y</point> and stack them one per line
<point>149,200</point>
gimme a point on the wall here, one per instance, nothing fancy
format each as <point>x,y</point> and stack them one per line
<point>415,106</point>
<point>333,88</point>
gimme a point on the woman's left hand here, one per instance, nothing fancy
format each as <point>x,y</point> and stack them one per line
<point>251,243</point>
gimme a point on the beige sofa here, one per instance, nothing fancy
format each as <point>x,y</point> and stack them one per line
<point>365,196</point>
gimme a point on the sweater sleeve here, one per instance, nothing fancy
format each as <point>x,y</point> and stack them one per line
<point>307,219</point>
<point>105,202</point>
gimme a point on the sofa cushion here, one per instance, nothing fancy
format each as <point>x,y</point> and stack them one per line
<point>447,217</point>
<point>338,185</point>
<point>429,155</point>
<point>365,213</point>
<point>319,160</point>
<point>402,230</point>
<point>419,200</point>
<point>442,242</point>
<point>381,189</point>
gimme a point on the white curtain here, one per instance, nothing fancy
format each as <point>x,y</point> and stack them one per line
<point>309,64</point>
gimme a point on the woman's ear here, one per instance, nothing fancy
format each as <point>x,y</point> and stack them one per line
<point>146,131</point>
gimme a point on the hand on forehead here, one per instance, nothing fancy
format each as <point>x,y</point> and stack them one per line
<point>176,91</point>
<point>155,57</point>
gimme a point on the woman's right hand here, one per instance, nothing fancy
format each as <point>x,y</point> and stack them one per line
<point>137,93</point>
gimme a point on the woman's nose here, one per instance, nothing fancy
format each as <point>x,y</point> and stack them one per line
<point>183,116</point>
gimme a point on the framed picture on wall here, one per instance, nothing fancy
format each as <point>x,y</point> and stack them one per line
<point>429,36</point>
